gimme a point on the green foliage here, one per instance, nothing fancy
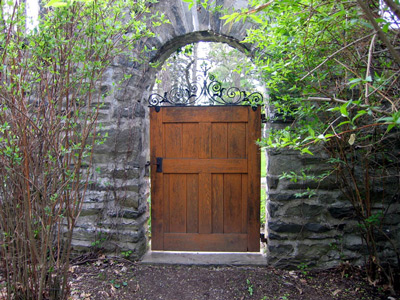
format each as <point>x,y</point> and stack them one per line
<point>262,206</point>
<point>250,287</point>
<point>49,103</point>
<point>303,268</point>
<point>332,74</point>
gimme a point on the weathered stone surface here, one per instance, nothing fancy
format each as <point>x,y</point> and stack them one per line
<point>272,208</point>
<point>127,140</point>
<point>285,227</point>
<point>273,236</point>
<point>315,227</point>
<point>308,211</point>
<point>127,213</point>
<point>116,200</point>
<point>272,182</point>
<point>342,212</point>
<point>137,111</point>
<point>280,196</point>
<point>128,173</point>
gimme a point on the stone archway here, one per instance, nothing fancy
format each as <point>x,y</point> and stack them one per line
<point>312,231</point>
<point>114,214</point>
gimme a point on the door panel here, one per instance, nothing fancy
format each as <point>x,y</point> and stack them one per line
<point>207,196</point>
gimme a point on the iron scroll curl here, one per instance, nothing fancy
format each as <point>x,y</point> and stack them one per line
<point>206,90</point>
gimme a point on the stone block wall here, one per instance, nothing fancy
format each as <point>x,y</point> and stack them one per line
<point>115,210</point>
<point>321,230</point>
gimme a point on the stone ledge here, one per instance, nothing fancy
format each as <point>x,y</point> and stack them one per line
<point>204,258</point>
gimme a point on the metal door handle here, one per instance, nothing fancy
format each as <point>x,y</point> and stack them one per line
<point>159,164</point>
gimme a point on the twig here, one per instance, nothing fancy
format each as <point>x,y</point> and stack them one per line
<point>336,52</point>
<point>393,7</point>
<point>371,49</point>
<point>382,36</point>
<point>322,99</point>
<point>259,8</point>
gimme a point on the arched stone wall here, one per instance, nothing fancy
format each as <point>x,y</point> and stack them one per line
<point>115,211</point>
<point>320,230</point>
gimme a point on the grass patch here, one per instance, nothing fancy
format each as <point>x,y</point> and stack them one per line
<point>263,164</point>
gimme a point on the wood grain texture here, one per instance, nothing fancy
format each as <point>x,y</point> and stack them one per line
<point>157,186</point>
<point>205,114</point>
<point>166,202</point>
<point>205,203</point>
<point>204,165</point>
<point>205,140</point>
<point>173,140</point>
<point>208,196</point>
<point>236,143</point>
<point>190,140</point>
<point>219,140</point>
<point>206,242</point>
<point>232,203</point>
<point>192,201</point>
<point>177,200</point>
<point>217,203</point>
<point>253,180</point>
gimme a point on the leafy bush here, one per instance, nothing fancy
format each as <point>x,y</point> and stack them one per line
<point>49,102</point>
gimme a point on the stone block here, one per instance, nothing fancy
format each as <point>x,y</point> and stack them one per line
<point>129,201</point>
<point>274,236</point>
<point>272,182</point>
<point>127,213</point>
<point>121,141</point>
<point>308,211</point>
<point>285,227</point>
<point>352,242</point>
<point>277,165</point>
<point>316,227</point>
<point>273,208</point>
<point>342,212</point>
<point>126,173</point>
<point>125,236</point>
<point>137,111</point>
<point>279,196</point>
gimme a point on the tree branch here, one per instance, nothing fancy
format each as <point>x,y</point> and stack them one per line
<point>368,73</point>
<point>368,14</point>
<point>393,7</point>
<point>336,52</point>
<point>323,99</point>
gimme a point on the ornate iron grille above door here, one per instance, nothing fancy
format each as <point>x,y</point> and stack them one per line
<point>206,90</point>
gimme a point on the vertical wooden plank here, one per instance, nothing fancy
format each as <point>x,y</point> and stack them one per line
<point>253,180</point>
<point>217,203</point>
<point>192,212</point>
<point>173,140</point>
<point>219,139</point>
<point>205,203</point>
<point>232,203</point>
<point>244,203</point>
<point>190,140</point>
<point>204,140</point>
<point>166,203</point>
<point>237,140</point>
<point>157,188</point>
<point>177,200</point>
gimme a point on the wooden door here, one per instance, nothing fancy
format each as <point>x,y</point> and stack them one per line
<point>205,195</point>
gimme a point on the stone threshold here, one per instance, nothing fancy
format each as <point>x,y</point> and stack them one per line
<point>204,258</point>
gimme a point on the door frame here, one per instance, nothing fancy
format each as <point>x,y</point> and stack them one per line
<point>253,182</point>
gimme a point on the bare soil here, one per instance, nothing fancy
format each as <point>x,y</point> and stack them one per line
<point>107,278</point>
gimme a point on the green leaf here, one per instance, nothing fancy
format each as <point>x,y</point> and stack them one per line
<point>56,3</point>
<point>306,150</point>
<point>385,28</point>
<point>343,110</point>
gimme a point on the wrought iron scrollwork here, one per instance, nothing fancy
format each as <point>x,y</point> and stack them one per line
<point>206,90</point>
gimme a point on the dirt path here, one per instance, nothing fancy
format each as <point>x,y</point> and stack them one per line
<point>108,279</point>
